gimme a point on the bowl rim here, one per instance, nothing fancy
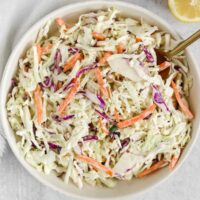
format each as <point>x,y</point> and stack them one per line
<point>39,23</point>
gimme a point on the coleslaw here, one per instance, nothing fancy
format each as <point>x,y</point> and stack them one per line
<point>89,103</point>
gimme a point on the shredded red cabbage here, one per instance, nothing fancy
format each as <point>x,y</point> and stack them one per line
<point>57,60</point>
<point>73,50</point>
<point>90,137</point>
<point>57,57</point>
<point>47,82</point>
<point>103,115</point>
<point>125,142</point>
<point>54,147</point>
<point>158,99</point>
<point>68,117</point>
<point>93,98</point>
<point>102,102</point>
<point>148,54</point>
<point>85,69</point>
<point>97,99</point>
<point>68,85</point>
<point>59,119</point>
<point>53,86</point>
<point>56,118</point>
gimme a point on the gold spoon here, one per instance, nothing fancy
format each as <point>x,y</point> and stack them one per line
<point>180,47</point>
<point>163,56</point>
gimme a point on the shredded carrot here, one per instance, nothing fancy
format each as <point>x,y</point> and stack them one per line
<point>98,36</point>
<point>137,118</point>
<point>97,165</point>
<point>164,65</point>
<point>69,97</point>
<point>101,82</point>
<point>72,61</point>
<point>184,108</point>
<point>59,85</point>
<point>61,22</point>
<point>120,48</point>
<point>47,48</point>
<point>103,127</point>
<point>116,115</point>
<point>153,168</point>
<point>104,58</point>
<point>109,91</point>
<point>41,50</point>
<point>138,39</point>
<point>173,163</point>
<point>38,103</point>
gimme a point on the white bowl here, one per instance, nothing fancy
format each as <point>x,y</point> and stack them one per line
<point>123,189</point>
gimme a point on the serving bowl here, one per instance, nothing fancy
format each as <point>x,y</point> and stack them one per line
<point>123,189</point>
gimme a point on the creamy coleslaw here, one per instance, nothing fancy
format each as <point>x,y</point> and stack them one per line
<point>90,103</point>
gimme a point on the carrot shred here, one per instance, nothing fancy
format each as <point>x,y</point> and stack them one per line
<point>164,65</point>
<point>104,58</point>
<point>120,48</point>
<point>153,168</point>
<point>72,61</point>
<point>47,48</point>
<point>41,50</point>
<point>184,108</point>
<point>59,85</point>
<point>60,21</point>
<point>173,163</point>
<point>137,118</point>
<point>97,165</point>
<point>109,91</point>
<point>38,103</point>
<point>101,82</point>
<point>103,127</point>
<point>69,97</point>
<point>138,39</point>
<point>116,115</point>
<point>98,36</point>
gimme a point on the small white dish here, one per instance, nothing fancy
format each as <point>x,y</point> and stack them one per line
<point>123,189</point>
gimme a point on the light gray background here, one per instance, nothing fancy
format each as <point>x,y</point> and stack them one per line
<point>15,183</point>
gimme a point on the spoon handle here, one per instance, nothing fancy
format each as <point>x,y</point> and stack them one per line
<point>182,45</point>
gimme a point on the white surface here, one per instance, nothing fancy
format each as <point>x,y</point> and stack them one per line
<point>15,183</point>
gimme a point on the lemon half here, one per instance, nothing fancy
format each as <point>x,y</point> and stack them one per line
<point>185,10</point>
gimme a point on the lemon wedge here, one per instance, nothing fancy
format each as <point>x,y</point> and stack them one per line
<point>185,10</point>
